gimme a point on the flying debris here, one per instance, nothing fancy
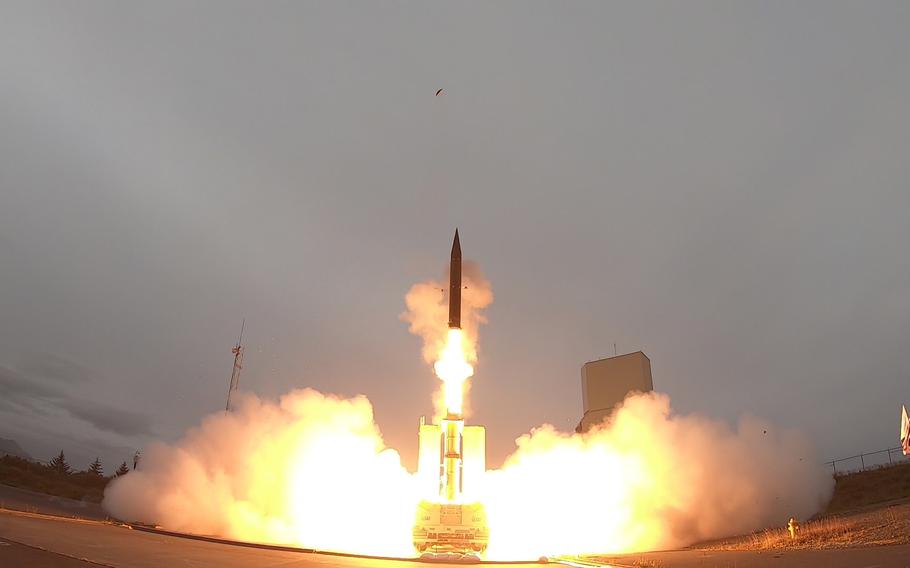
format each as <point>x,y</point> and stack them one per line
<point>237,350</point>
<point>440,92</point>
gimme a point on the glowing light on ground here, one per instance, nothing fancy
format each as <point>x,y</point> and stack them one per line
<point>312,470</point>
<point>646,480</point>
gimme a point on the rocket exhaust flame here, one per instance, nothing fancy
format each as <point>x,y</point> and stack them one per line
<point>452,366</point>
<point>309,470</point>
<point>312,470</point>
<point>453,369</point>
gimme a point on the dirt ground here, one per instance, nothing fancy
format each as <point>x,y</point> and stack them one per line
<point>867,523</point>
<point>859,514</point>
<point>877,525</point>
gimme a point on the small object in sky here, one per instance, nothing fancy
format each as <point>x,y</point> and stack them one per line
<point>237,350</point>
<point>905,431</point>
<point>439,92</point>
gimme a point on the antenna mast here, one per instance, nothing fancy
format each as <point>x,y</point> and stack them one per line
<point>238,364</point>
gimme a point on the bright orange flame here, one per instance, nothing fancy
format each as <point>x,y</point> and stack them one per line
<point>453,368</point>
<point>601,491</point>
<point>312,470</point>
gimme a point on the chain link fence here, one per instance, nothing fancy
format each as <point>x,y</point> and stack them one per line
<point>868,460</point>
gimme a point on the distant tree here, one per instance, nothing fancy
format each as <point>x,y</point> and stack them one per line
<point>96,468</point>
<point>123,469</point>
<point>59,464</point>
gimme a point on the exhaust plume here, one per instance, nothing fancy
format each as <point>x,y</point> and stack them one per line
<point>647,479</point>
<point>311,471</point>
<point>427,318</point>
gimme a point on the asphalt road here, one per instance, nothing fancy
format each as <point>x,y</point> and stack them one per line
<point>62,540</point>
<point>866,557</point>
<point>34,540</point>
<point>14,555</point>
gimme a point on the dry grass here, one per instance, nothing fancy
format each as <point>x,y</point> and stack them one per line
<point>868,508</point>
<point>887,525</point>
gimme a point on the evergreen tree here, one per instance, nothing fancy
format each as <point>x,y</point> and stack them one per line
<point>123,469</point>
<point>96,468</point>
<point>59,464</point>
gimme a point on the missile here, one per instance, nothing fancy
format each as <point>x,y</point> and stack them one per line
<point>455,285</point>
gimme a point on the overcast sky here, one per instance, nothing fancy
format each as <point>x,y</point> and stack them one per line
<point>723,185</point>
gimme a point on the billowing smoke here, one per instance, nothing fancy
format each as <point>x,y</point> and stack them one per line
<point>427,314</point>
<point>310,470</point>
<point>648,479</point>
<point>427,317</point>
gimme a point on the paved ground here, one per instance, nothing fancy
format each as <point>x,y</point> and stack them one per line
<point>15,555</point>
<point>33,540</point>
<point>869,557</point>
<point>62,540</point>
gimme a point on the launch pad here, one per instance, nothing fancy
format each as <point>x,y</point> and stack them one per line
<point>451,457</point>
<point>453,528</point>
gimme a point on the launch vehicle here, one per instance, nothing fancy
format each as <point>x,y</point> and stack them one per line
<point>451,464</point>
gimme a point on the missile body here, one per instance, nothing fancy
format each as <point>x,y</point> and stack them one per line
<point>455,285</point>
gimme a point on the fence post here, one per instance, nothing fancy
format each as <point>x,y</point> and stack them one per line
<point>889,456</point>
<point>862,462</point>
<point>834,465</point>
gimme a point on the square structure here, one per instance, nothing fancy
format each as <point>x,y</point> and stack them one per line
<point>431,455</point>
<point>606,382</point>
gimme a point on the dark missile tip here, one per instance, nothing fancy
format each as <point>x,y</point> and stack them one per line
<point>456,244</point>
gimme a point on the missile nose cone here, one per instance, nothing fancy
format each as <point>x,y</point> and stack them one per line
<point>455,285</point>
<point>456,246</point>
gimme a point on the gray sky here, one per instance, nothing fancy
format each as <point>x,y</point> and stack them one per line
<point>723,185</point>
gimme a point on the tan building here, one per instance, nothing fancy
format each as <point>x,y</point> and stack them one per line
<point>606,382</point>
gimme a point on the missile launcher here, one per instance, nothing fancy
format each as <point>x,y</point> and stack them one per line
<point>451,462</point>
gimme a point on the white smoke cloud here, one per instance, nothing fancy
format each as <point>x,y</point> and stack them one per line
<point>312,470</point>
<point>427,312</point>
<point>648,479</point>
<point>427,317</point>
